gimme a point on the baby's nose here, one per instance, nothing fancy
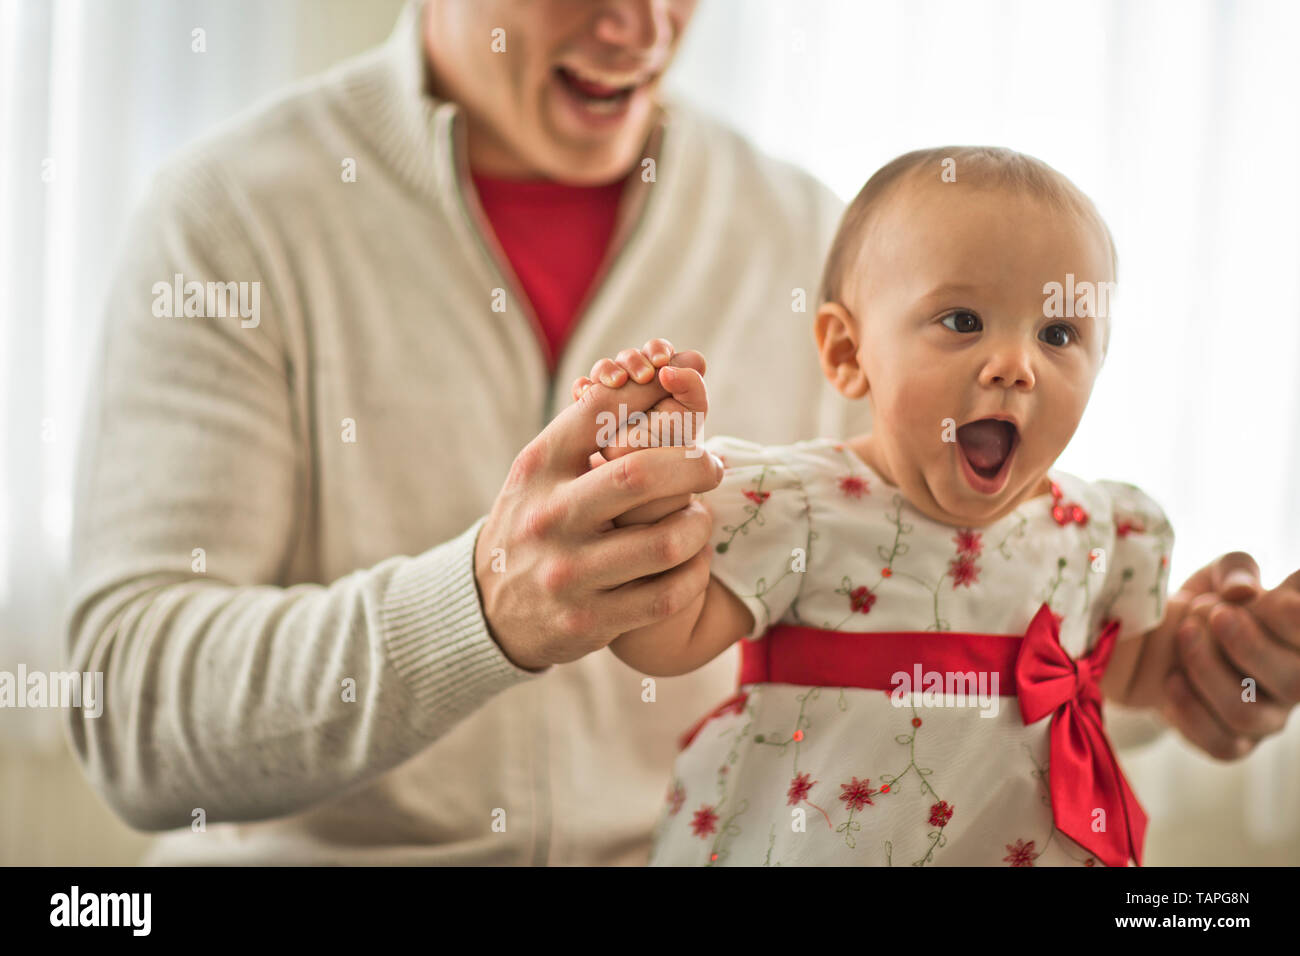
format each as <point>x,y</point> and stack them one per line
<point>1009,368</point>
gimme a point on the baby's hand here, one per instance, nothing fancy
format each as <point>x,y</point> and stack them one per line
<point>675,419</point>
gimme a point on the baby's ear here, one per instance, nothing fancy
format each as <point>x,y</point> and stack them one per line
<point>837,347</point>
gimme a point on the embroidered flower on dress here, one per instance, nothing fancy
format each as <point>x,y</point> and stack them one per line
<point>1064,512</point>
<point>854,486</point>
<point>704,822</point>
<point>1022,854</point>
<point>758,497</point>
<point>940,814</point>
<point>676,797</point>
<point>799,787</point>
<point>861,599</point>
<point>857,794</point>
<point>1125,526</point>
<point>963,570</point>
<point>968,542</point>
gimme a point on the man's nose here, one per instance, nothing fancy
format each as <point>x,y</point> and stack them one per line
<point>1008,366</point>
<point>638,24</point>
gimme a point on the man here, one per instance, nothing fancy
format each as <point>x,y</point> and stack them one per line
<point>329,633</point>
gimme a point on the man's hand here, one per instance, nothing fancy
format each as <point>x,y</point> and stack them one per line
<point>1233,630</point>
<point>557,579</point>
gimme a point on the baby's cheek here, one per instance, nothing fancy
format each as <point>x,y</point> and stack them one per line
<point>918,409</point>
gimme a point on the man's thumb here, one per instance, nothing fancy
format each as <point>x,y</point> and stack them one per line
<point>1236,576</point>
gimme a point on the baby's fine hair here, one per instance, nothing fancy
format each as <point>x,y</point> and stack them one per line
<point>977,166</point>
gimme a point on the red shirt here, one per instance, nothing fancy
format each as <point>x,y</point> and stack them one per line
<point>555,237</point>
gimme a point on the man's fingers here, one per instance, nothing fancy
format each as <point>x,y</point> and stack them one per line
<point>653,511</point>
<point>621,555</point>
<point>1278,611</point>
<point>651,600</point>
<point>1184,709</point>
<point>1255,654</point>
<point>602,494</point>
<point>1234,576</point>
<point>1218,684</point>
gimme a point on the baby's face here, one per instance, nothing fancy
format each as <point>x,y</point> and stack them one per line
<point>952,328</point>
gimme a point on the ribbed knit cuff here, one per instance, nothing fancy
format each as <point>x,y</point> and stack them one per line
<point>436,636</point>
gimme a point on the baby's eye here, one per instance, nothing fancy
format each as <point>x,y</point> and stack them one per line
<point>965,321</point>
<point>1060,329</point>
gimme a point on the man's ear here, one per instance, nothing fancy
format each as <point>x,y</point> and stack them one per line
<point>837,347</point>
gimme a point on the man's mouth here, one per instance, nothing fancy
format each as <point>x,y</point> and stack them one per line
<point>987,446</point>
<point>599,91</point>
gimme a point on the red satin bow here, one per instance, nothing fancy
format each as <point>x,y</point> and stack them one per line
<point>1084,774</point>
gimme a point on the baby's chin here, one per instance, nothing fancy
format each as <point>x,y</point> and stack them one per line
<point>959,504</point>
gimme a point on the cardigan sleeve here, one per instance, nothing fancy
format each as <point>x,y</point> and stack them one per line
<point>224,689</point>
<point>760,529</point>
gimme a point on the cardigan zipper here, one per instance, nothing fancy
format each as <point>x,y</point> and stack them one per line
<point>632,215</point>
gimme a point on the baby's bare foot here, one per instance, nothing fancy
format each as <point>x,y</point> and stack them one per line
<point>675,419</point>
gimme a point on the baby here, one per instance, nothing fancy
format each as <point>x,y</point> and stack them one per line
<point>926,612</point>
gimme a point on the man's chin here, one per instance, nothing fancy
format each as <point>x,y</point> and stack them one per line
<point>587,157</point>
<point>595,165</point>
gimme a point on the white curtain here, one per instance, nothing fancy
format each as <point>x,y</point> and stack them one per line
<point>1182,120</point>
<point>93,96</point>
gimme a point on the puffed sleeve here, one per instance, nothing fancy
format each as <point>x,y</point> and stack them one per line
<point>1137,567</point>
<point>760,528</point>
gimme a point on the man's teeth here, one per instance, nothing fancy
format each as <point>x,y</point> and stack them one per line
<point>604,106</point>
<point>614,81</point>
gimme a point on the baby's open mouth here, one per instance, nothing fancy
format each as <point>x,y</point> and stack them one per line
<point>987,444</point>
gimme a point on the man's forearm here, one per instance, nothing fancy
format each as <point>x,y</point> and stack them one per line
<point>255,702</point>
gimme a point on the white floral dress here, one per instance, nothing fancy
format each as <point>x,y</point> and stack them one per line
<point>808,535</point>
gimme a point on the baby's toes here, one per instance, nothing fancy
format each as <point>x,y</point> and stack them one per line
<point>580,385</point>
<point>659,351</point>
<point>687,386</point>
<point>609,373</point>
<point>637,365</point>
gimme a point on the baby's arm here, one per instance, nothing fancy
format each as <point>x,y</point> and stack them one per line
<point>1149,656</point>
<point>688,639</point>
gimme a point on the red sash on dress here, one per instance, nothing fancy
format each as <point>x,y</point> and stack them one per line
<point>1084,774</point>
